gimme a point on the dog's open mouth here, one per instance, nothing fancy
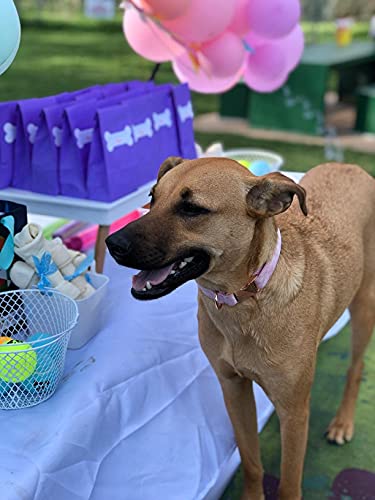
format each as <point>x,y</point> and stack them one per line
<point>148,285</point>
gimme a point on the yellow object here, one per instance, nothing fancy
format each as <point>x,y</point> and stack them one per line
<point>17,361</point>
<point>344,33</point>
<point>244,163</point>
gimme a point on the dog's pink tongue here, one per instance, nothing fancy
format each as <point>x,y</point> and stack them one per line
<point>154,277</point>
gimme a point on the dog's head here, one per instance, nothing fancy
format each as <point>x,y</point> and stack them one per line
<point>203,215</point>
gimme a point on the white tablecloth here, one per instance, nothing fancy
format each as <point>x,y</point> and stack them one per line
<point>138,416</point>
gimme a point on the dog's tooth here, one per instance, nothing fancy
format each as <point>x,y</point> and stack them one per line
<point>148,285</point>
<point>188,259</point>
<point>144,289</point>
<point>173,272</point>
<point>183,264</point>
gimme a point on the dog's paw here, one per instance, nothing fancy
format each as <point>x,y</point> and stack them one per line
<point>340,430</point>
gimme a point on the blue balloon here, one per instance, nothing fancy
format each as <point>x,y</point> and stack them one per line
<point>260,167</point>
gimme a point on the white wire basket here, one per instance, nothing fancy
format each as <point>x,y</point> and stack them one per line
<point>35,329</point>
<point>274,160</point>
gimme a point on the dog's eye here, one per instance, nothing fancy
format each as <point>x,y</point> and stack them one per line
<point>191,210</point>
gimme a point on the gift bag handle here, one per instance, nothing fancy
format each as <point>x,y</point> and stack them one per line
<point>7,252</point>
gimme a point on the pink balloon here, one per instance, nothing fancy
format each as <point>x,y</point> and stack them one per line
<point>203,20</point>
<point>201,80</point>
<point>226,54</point>
<point>267,68</point>
<point>240,23</point>
<point>148,40</point>
<point>293,45</point>
<point>273,18</point>
<point>165,9</point>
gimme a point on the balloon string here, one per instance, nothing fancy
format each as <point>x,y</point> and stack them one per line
<point>154,72</point>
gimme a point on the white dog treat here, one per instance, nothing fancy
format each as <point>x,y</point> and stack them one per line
<point>23,275</point>
<point>30,243</point>
<point>57,136</point>
<point>163,119</point>
<point>185,112</point>
<point>32,129</point>
<point>10,132</point>
<point>116,139</point>
<point>63,260</point>
<point>143,129</point>
<point>83,136</point>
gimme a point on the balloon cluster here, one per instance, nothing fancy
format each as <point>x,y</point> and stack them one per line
<point>214,43</point>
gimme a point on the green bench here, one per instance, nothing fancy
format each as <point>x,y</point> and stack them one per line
<point>365,121</point>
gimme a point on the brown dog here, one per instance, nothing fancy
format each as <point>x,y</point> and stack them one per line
<point>213,221</point>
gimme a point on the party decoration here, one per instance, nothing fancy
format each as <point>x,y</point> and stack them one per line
<point>266,69</point>
<point>225,54</point>
<point>273,18</point>
<point>241,22</point>
<point>213,44</point>
<point>164,9</point>
<point>147,39</point>
<point>203,20</point>
<point>202,80</point>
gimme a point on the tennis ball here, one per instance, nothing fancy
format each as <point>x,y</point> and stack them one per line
<point>244,163</point>
<point>43,342</point>
<point>40,382</point>
<point>17,362</point>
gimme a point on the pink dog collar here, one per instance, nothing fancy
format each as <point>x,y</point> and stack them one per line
<point>259,281</point>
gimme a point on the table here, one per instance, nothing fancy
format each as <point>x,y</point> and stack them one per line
<point>139,414</point>
<point>299,105</point>
<point>95,212</point>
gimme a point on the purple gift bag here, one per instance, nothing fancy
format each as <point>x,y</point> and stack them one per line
<point>78,128</point>
<point>184,117</point>
<point>47,145</point>
<point>27,123</point>
<point>8,133</point>
<point>130,142</point>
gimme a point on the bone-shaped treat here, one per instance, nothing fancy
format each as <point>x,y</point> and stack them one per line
<point>57,136</point>
<point>116,139</point>
<point>10,132</point>
<point>143,129</point>
<point>32,129</point>
<point>83,136</point>
<point>163,119</point>
<point>185,112</point>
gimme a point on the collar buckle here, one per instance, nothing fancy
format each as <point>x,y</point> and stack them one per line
<point>218,304</point>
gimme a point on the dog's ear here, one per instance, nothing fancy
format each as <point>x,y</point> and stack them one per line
<point>273,194</point>
<point>168,164</point>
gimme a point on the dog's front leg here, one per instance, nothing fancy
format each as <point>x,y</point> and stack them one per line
<point>294,430</point>
<point>240,403</point>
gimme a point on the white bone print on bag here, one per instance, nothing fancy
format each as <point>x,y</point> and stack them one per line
<point>57,136</point>
<point>32,129</point>
<point>143,129</point>
<point>163,119</point>
<point>185,112</point>
<point>10,132</point>
<point>83,136</point>
<point>116,139</point>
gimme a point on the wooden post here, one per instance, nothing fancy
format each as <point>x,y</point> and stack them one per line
<point>100,247</point>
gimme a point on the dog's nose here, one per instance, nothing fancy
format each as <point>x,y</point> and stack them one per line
<point>118,247</point>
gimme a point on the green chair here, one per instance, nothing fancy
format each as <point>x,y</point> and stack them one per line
<point>365,121</point>
<point>10,33</point>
